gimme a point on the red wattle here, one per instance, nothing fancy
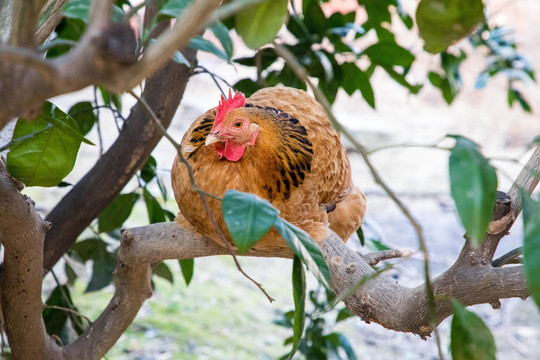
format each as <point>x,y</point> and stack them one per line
<point>233,150</point>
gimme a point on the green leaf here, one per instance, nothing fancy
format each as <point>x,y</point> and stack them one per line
<point>199,43</point>
<point>340,341</point>
<point>305,248</point>
<point>187,266</point>
<point>259,24</point>
<point>68,31</point>
<point>343,314</point>
<point>267,58</point>
<point>247,86</point>
<point>443,22</point>
<point>355,79</point>
<point>180,59</point>
<point>531,245</point>
<point>71,275</point>
<point>163,271</point>
<point>361,236</point>
<point>48,156</point>
<point>248,218</point>
<point>314,17</point>
<point>62,122</point>
<point>515,95</point>
<point>84,116</point>
<point>470,338</point>
<point>149,170</point>
<point>400,79</point>
<point>110,98</point>
<point>443,84</point>
<point>299,296</point>
<point>222,34</point>
<point>346,346</point>
<point>389,53</point>
<point>155,211</point>
<point>172,9</point>
<point>56,319</point>
<point>117,212</point>
<point>79,9</point>
<point>473,185</point>
<point>104,262</point>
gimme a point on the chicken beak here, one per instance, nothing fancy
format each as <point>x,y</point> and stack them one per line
<point>213,138</point>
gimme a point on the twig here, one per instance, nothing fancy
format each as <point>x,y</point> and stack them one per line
<point>98,124</point>
<point>214,77</point>
<point>19,55</point>
<point>435,145</point>
<point>301,73</point>
<point>136,8</point>
<point>57,42</point>
<point>373,258</point>
<point>68,310</point>
<point>66,297</point>
<point>53,9</point>
<point>511,257</point>
<point>202,194</point>
<point>13,142</point>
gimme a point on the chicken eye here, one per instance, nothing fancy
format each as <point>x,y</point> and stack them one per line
<point>238,124</point>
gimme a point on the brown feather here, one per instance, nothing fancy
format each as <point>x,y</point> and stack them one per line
<point>297,163</point>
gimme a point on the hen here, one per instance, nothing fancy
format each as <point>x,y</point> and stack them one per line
<point>279,145</point>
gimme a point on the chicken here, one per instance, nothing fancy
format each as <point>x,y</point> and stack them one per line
<point>279,145</point>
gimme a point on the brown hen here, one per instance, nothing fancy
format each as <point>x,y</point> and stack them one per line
<point>279,145</point>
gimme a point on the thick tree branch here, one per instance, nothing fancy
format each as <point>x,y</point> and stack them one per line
<point>379,300</point>
<point>30,58</point>
<point>25,17</point>
<point>22,232</point>
<point>92,62</point>
<point>395,307</point>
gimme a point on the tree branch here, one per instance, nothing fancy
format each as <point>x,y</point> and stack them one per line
<point>188,25</point>
<point>373,258</point>
<point>379,300</point>
<point>22,232</point>
<point>91,61</point>
<point>507,210</point>
<point>52,13</point>
<point>25,17</point>
<point>30,58</point>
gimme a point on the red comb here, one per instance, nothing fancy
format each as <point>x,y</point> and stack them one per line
<point>236,101</point>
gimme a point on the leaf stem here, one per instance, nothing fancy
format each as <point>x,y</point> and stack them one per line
<point>29,136</point>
